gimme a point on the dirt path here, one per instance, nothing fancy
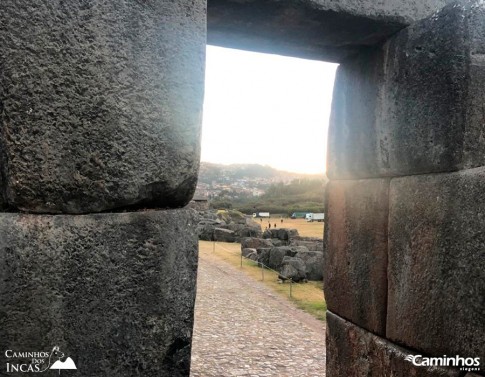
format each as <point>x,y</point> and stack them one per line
<point>244,329</point>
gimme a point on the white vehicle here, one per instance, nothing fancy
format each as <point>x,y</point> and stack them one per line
<point>315,217</point>
<point>261,214</point>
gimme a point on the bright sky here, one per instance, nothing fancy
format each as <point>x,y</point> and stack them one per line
<point>266,109</point>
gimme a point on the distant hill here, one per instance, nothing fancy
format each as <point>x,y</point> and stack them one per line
<point>252,187</point>
<point>210,172</point>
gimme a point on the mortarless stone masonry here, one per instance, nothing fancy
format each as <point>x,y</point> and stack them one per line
<point>354,352</point>
<point>413,106</point>
<point>115,291</point>
<point>437,263</point>
<point>316,29</point>
<point>355,265</point>
<point>100,103</point>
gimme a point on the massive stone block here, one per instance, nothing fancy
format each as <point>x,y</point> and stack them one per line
<point>114,291</point>
<point>437,263</point>
<point>100,103</point>
<point>354,352</point>
<point>355,259</point>
<point>354,146</point>
<point>318,29</point>
<point>414,105</point>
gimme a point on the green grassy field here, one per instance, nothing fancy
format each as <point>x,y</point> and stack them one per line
<point>305,229</point>
<point>307,296</point>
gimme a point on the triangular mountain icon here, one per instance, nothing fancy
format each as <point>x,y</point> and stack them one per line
<point>68,364</point>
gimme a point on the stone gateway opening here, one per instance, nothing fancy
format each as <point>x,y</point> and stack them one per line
<point>259,281</point>
<point>100,109</point>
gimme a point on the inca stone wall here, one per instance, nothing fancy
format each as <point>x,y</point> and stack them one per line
<point>405,260</point>
<point>114,291</point>
<point>100,106</point>
<point>101,103</point>
<point>315,29</point>
<point>99,139</point>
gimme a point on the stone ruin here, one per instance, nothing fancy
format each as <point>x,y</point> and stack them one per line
<point>99,148</point>
<point>226,226</point>
<point>288,258</point>
<point>281,249</point>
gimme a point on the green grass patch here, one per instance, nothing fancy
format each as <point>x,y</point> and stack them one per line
<point>306,296</point>
<point>317,309</point>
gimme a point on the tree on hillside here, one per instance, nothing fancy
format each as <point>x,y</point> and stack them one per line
<point>299,195</point>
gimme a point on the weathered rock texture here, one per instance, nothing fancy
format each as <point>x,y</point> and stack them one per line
<point>354,139</point>
<point>304,264</point>
<point>228,226</point>
<point>355,272</point>
<point>115,291</point>
<point>100,109</point>
<point>255,243</point>
<point>321,29</point>
<point>313,261</point>
<point>354,352</point>
<point>246,252</point>
<point>277,254</point>
<point>408,265</point>
<point>414,105</point>
<point>292,268</point>
<point>198,205</point>
<point>311,243</point>
<point>410,107</point>
<point>100,103</point>
<point>224,235</point>
<point>283,234</point>
<point>437,263</point>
